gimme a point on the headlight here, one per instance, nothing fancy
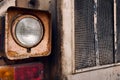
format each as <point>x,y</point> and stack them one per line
<point>28,31</point>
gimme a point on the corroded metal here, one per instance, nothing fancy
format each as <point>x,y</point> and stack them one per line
<point>15,51</point>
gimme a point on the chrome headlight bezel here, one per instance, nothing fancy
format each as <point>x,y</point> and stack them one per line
<point>15,24</point>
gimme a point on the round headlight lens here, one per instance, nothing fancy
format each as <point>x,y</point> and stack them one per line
<point>29,32</point>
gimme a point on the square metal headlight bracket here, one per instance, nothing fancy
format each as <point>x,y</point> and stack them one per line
<point>12,49</point>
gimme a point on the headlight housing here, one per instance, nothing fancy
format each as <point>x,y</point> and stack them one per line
<point>27,33</point>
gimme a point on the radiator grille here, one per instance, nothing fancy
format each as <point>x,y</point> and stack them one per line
<point>84,34</point>
<point>105,27</point>
<point>85,44</point>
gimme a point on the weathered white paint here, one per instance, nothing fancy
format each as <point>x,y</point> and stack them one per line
<point>111,73</point>
<point>68,29</point>
<point>5,4</point>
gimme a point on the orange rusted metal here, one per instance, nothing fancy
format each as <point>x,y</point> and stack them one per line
<point>15,51</point>
<point>6,73</point>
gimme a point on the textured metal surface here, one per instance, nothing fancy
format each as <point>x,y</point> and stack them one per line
<point>12,49</point>
<point>105,31</point>
<point>118,31</point>
<point>84,34</point>
<point>85,53</point>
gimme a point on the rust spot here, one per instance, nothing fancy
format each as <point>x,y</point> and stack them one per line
<point>15,54</point>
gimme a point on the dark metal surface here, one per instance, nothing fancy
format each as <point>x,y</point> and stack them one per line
<point>118,31</point>
<point>85,49</point>
<point>84,34</point>
<point>2,35</point>
<point>105,31</point>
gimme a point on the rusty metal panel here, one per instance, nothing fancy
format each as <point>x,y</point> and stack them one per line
<point>15,51</point>
<point>84,34</point>
<point>105,31</point>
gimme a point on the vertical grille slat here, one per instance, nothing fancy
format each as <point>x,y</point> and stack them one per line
<point>84,34</point>
<point>105,27</point>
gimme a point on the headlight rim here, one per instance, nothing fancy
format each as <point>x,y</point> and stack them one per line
<point>13,29</point>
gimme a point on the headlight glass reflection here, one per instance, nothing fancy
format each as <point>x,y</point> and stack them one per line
<point>29,32</point>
